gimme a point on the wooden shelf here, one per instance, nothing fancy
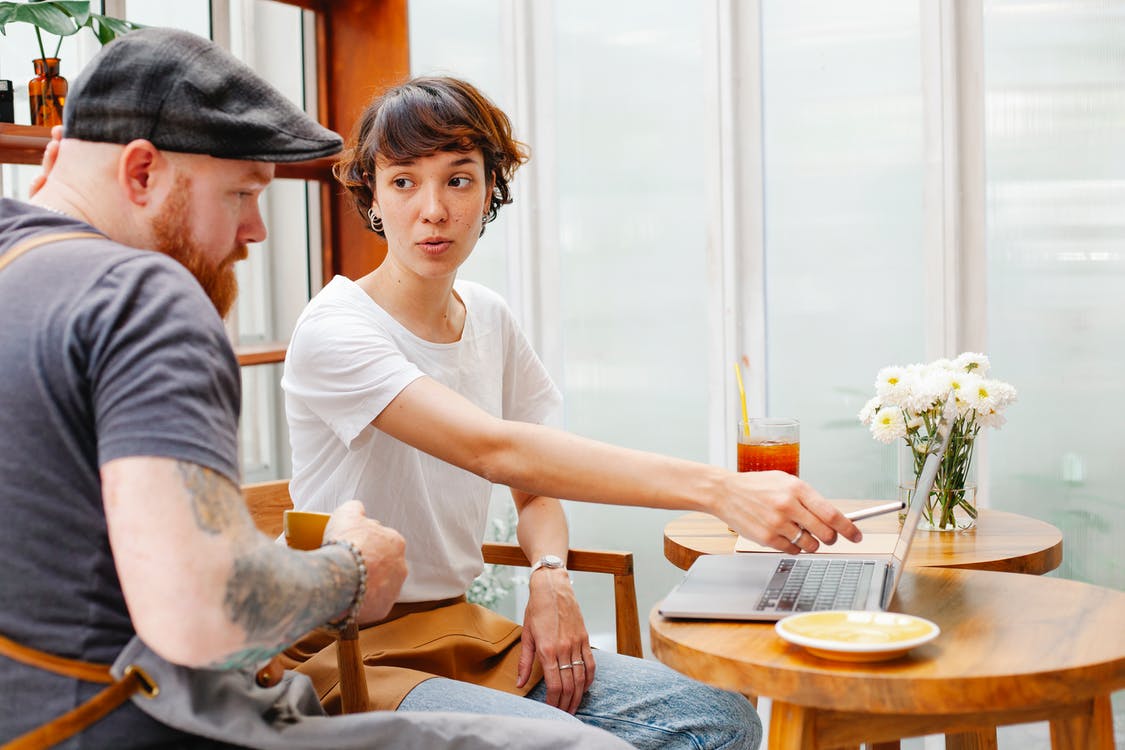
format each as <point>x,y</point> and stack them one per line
<point>269,353</point>
<point>24,144</point>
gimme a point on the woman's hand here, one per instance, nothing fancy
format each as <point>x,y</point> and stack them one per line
<point>554,631</point>
<point>780,511</point>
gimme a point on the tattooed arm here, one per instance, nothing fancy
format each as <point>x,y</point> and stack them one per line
<point>205,588</point>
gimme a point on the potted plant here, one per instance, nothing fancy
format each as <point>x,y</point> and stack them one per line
<point>47,91</point>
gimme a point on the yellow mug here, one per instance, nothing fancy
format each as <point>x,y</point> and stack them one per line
<point>304,529</point>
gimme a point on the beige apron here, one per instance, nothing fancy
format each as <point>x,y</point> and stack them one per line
<point>415,642</point>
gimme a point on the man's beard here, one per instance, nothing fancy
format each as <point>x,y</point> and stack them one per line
<point>172,231</point>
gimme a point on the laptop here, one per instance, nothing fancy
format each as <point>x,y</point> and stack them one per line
<point>770,587</point>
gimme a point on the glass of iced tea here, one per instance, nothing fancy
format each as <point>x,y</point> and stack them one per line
<point>768,444</point>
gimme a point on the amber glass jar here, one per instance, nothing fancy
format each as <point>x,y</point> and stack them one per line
<point>46,93</point>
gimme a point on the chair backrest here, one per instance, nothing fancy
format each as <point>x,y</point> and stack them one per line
<point>268,501</point>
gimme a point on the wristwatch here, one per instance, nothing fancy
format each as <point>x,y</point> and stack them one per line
<point>547,561</point>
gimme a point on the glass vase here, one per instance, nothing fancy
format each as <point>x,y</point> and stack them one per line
<point>945,510</point>
<point>952,503</point>
<point>46,93</point>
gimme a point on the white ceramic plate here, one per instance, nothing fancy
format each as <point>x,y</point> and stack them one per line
<point>857,635</point>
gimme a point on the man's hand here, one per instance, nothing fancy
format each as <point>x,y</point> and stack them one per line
<point>384,552</point>
<point>49,155</point>
<point>781,511</point>
<point>554,631</point>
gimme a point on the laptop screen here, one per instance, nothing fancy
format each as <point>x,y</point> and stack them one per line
<point>922,487</point>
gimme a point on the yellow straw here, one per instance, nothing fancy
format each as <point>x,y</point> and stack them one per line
<point>742,396</point>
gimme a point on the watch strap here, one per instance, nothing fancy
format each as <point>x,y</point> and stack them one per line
<point>547,561</point>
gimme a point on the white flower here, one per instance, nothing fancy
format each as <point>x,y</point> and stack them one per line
<point>966,389</point>
<point>1002,393</point>
<point>973,362</point>
<point>893,384</point>
<point>910,399</point>
<point>935,385</point>
<point>888,424</point>
<point>869,410</point>
<point>981,396</point>
<point>909,403</point>
<point>942,364</point>
<point>992,419</point>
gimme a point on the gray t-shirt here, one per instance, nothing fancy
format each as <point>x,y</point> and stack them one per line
<point>105,352</point>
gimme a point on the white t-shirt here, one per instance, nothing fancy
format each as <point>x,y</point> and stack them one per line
<point>347,360</point>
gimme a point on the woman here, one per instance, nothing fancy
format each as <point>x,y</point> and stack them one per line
<point>414,392</point>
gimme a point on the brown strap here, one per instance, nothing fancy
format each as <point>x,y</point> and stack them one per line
<point>77,719</point>
<point>408,608</point>
<point>79,670</point>
<point>42,239</point>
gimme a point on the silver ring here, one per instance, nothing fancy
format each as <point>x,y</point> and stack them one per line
<point>578,663</point>
<point>800,533</point>
<point>565,666</point>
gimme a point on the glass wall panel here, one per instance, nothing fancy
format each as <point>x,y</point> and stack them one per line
<point>629,98</point>
<point>843,134</point>
<point>189,15</point>
<point>628,88</point>
<point>1055,83</point>
<point>279,277</point>
<point>462,38</point>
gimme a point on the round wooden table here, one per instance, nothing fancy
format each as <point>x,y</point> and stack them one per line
<point>1000,541</point>
<point>1013,649</point>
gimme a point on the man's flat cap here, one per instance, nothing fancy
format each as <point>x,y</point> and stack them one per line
<point>185,93</point>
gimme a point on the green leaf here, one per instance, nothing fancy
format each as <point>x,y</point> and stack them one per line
<point>47,16</point>
<point>80,9</point>
<point>110,28</point>
<point>64,18</point>
<point>102,31</point>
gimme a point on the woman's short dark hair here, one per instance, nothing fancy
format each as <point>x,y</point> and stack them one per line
<point>421,117</point>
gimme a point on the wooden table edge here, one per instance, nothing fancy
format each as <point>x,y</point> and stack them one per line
<point>1035,562</point>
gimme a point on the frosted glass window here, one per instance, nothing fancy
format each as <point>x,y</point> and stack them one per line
<point>629,87</point>
<point>282,273</point>
<point>1055,104</point>
<point>627,82</point>
<point>843,130</point>
<point>462,38</point>
<point>189,15</point>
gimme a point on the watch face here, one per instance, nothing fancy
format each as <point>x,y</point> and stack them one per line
<point>552,561</point>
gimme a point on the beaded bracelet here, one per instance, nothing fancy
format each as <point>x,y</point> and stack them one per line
<point>361,586</point>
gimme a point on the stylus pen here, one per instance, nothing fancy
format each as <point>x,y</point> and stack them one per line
<point>877,510</point>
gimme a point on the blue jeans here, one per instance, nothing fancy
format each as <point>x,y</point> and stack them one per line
<point>642,702</point>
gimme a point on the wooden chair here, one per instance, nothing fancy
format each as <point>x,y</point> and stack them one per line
<point>268,501</point>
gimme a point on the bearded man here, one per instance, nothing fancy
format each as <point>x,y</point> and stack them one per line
<point>123,535</point>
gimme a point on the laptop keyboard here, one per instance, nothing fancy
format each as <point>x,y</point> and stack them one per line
<point>804,585</point>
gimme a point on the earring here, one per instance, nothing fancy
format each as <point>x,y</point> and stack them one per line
<point>376,222</point>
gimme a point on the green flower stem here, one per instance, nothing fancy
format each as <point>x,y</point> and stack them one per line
<point>950,485</point>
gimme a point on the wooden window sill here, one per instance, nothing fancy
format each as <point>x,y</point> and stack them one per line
<point>24,144</point>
